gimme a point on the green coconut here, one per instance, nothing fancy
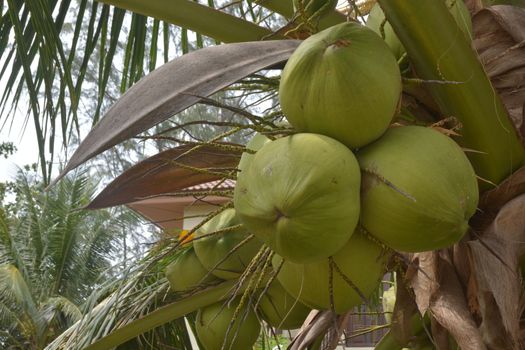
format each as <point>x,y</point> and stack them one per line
<point>212,325</point>
<point>376,17</point>
<point>281,310</point>
<point>418,189</point>
<point>300,196</point>
<point>314,7</point>
<point>186,272</point>
<point>342,82</point>
<point>361,261</point>
<point>215,252</point>
<point>254,145</point>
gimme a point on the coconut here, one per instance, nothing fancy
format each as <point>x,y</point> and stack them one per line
<point>281,310</point>
<point>342,82</point>
<point>186,271</point>
<point>254,145</point>
<point>361,262</point>
<point>314,7</point>
<point>212,325</point>
<point>300,196</point>
<point>376,18</point>
<point>215,252</point>
<point>418,190</point>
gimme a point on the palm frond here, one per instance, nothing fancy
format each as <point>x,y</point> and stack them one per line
<point>8,317</point>
<point>51,307</point>
<point>16,296</point>
<point>96,241</point>
<point>30,217</point>
<point>139,291</point>
<point>43,287</point>
<point>14,287</point>
<point>199,18</point>
<point>78,242</point>
<point>7,250</point>
<point>62,238</point>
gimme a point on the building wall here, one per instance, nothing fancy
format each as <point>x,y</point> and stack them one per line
<point>195,213</point>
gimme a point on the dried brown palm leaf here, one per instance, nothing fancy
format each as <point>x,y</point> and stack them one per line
<point>176,86</point>
<point>316,325</point>
<point>440,336</point>
<point>449,307</point>
<point>499,33</point>
<point>495,268</point>
<point>168,171</point>
<point>492,201</point>
<point>404,314</point>
<point>474,5</point>
<point>439,291</point>
<point>425,280</point>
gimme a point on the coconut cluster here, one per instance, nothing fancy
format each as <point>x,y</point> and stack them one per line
<point>334,198</point>
<point>331,200</point>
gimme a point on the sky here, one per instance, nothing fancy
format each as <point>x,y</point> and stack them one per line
<point>25,142</point>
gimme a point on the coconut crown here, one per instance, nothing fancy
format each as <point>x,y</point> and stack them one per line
<point>343,82</point>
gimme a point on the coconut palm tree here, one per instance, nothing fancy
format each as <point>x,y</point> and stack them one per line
<point>445,79</point>
<point>52,257</point>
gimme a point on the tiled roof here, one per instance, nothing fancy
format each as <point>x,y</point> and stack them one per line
<point>217,185</point>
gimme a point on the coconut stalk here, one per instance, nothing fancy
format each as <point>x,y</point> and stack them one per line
<point>440,52</point>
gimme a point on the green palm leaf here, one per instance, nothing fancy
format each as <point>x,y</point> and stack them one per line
<point>8,253</point>
<point>16,296</point>
<point>199,18</point>
<point>43,286</point>
<point>163,315</point>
